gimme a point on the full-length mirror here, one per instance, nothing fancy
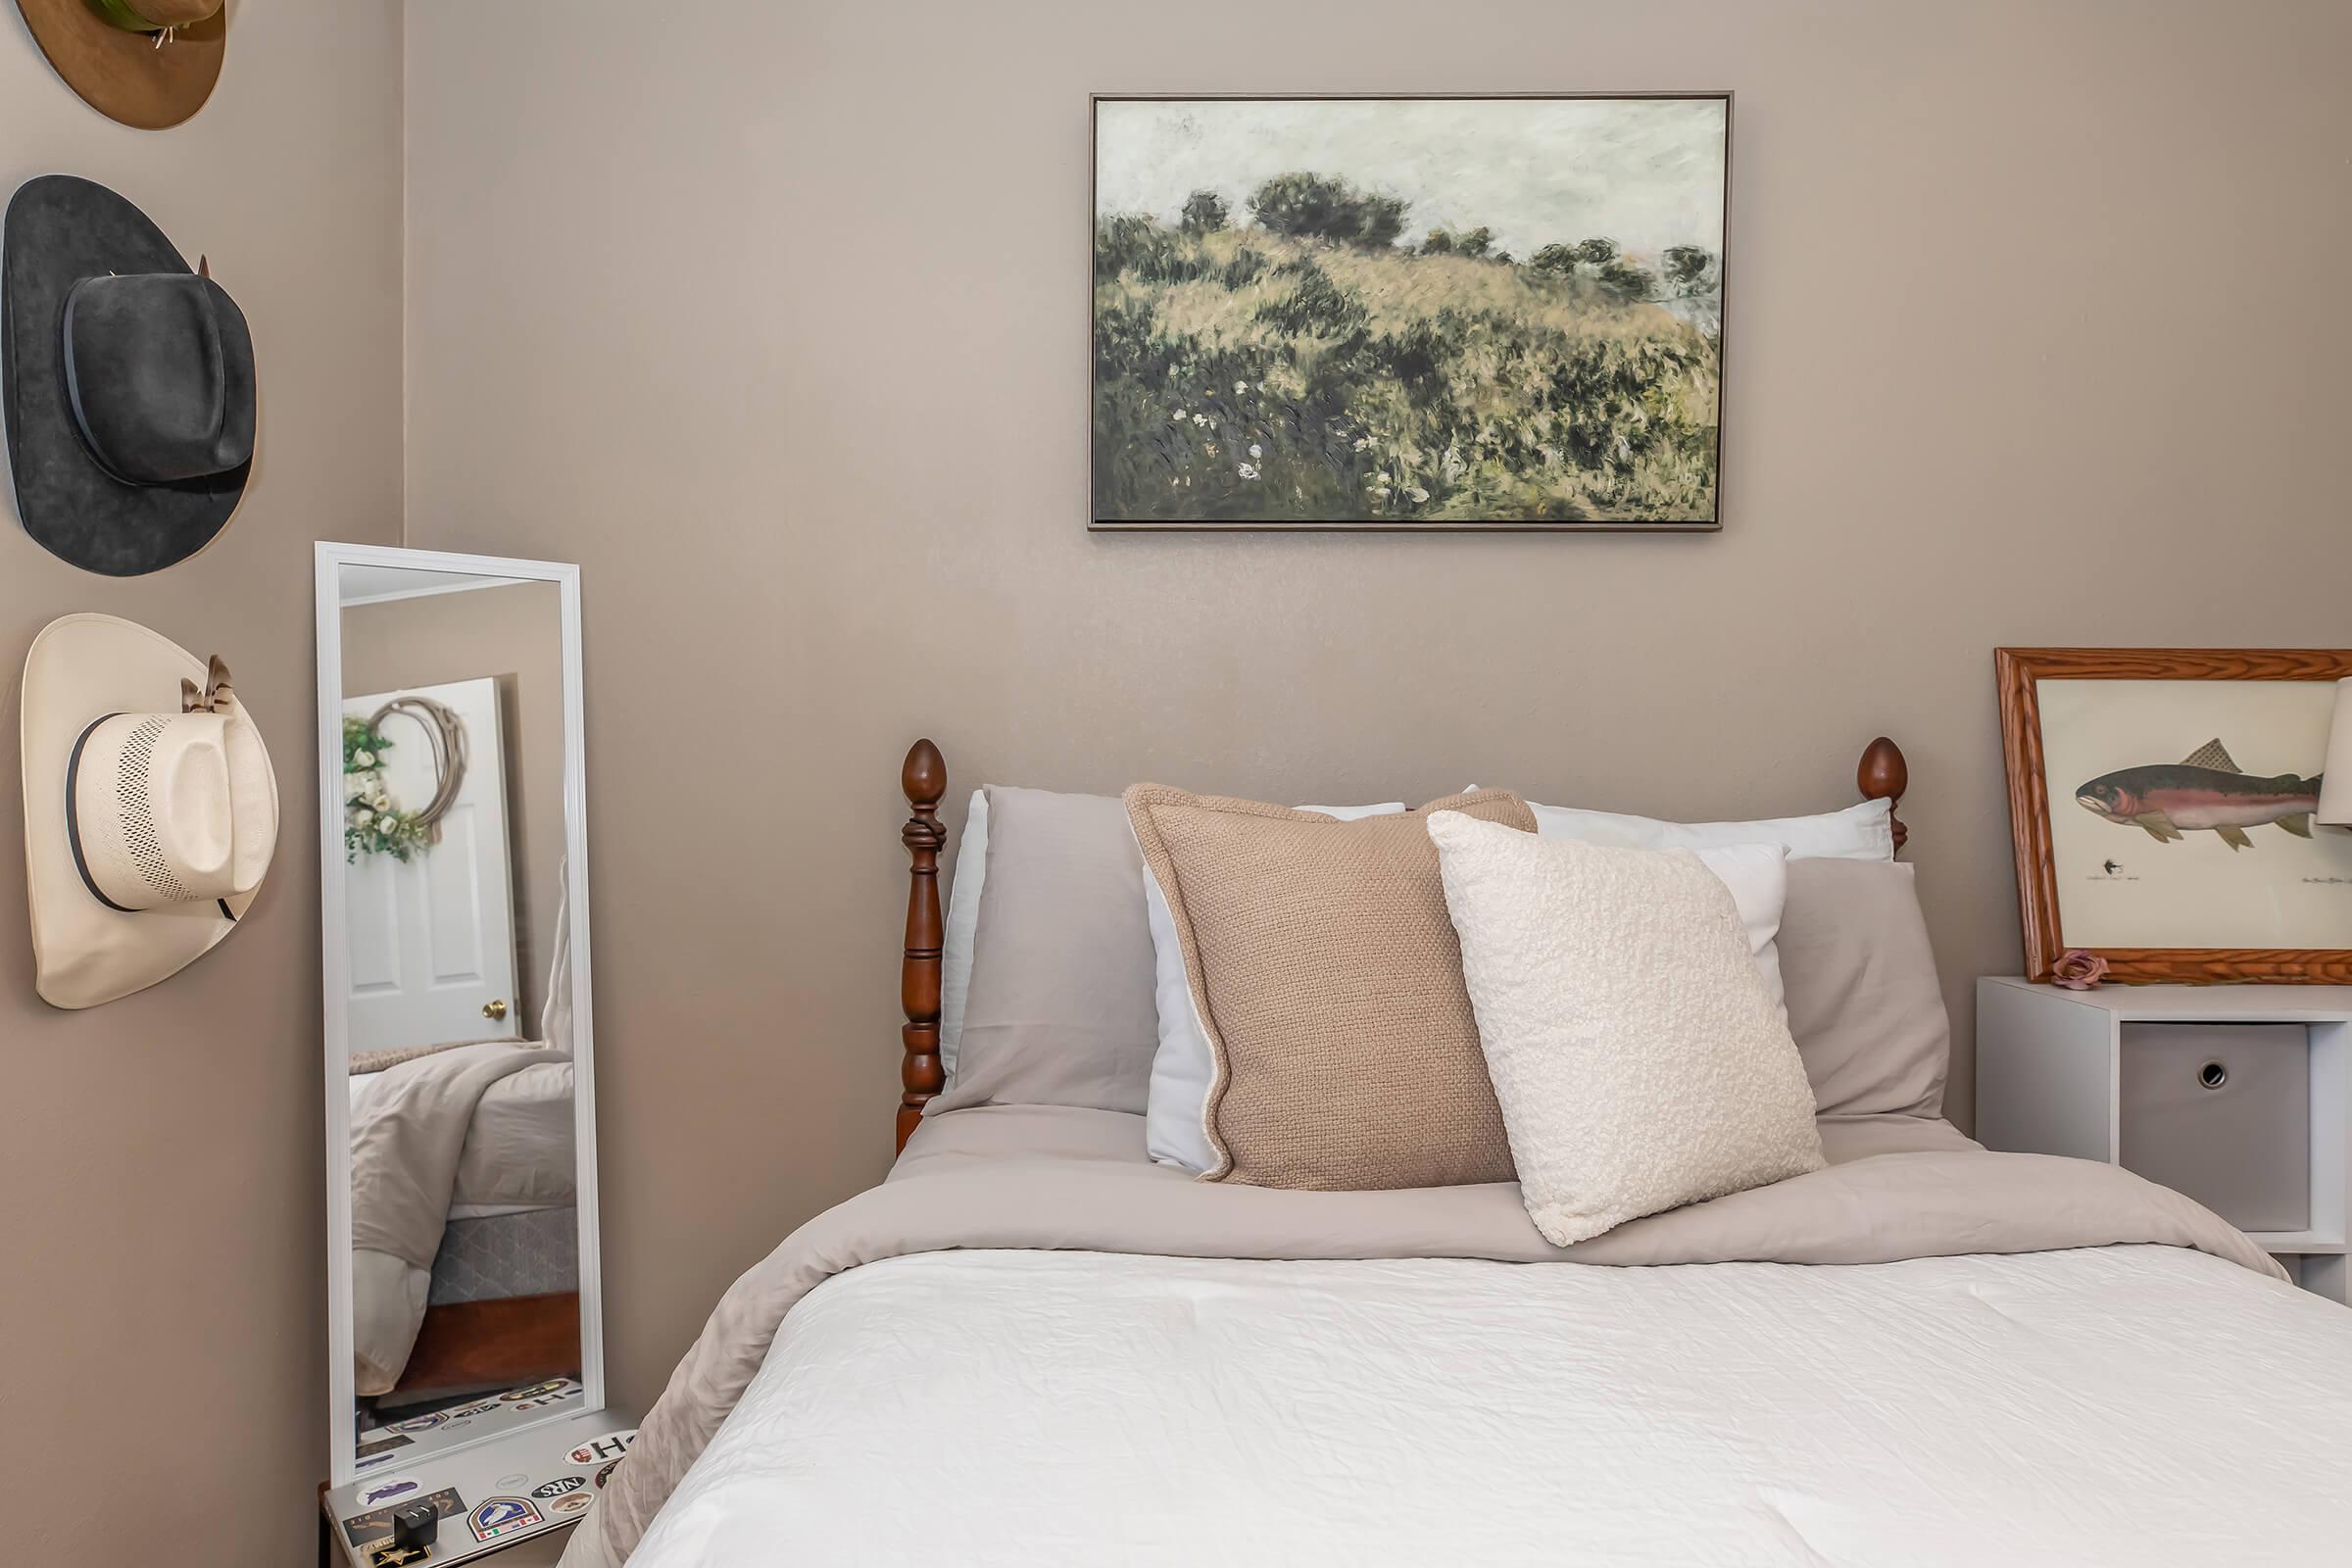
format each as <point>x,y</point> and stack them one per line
<point>454,939</point>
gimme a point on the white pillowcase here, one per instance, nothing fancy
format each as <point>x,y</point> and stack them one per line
<point>1631,1042</point>
<point>1758,876</point>
<point>964,921</point>
<point>1174,1128</point>
<point>1863,832</point>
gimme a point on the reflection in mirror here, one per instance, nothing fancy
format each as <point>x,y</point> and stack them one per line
<point>457,1010</point>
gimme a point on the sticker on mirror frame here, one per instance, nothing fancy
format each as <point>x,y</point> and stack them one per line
<point>558,1486</point>
<point>605,1474</point>
<point>384,1554</point>
<point>608,1447</point>
<point>574,1503</point>
<point>501,1516</point>
<point>387,1492</point>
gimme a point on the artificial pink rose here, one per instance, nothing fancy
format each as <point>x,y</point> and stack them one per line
<point>2078,970</point>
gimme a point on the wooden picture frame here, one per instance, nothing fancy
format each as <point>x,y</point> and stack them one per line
<point>2018,673</point>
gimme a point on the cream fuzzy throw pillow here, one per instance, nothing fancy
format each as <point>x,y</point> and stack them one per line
<point>1636,1052</point>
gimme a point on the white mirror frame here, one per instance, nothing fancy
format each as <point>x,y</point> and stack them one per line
<point>342,1435</point>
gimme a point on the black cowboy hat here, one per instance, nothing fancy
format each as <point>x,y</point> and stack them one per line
<point>127,379</point>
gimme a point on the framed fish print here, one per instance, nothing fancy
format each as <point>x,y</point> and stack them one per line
<point>1408,313</point>
<point>2161,803</point>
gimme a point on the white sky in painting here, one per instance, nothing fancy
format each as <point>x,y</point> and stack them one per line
<point>1647,172</point>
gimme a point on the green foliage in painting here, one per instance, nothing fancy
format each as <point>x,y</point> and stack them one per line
<point>1311,206</point>
<point>1204,212</point>
<point>1624,280</point>
<point>1553,261</point>
<point>1690,270</point>
<point>1306,367</point>
<point>1478,241</point>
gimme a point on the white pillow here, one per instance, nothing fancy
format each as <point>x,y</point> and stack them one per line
<point>1633,1045</point>
<point>963,921</point>
<point>1173,1129</point>
<point>1758,876</point>
<point>1863,832</point>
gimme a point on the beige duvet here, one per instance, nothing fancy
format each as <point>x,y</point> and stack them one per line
<point>1057,1178</point>
<point>417,1143</point>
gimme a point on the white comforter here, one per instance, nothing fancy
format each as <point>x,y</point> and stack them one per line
<point>2134,1405</point>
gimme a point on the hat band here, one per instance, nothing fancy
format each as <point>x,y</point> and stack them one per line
<point>74,814</point>
<point>119,15</point>
<point>131,18</point>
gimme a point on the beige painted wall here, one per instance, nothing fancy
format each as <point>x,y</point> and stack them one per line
<point>163,1381</point>
<point>514,635</point>
<point>775,319</point>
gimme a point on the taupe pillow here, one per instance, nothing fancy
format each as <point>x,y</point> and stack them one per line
<point>1061,1010</point>
<point>1329,982</point>
<point>1864,1002</point>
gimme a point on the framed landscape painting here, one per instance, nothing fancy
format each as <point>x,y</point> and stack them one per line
<point>1408,313</point>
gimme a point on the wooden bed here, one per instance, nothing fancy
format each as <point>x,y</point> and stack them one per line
<point>504,1341</point>
<point>1881,775</point>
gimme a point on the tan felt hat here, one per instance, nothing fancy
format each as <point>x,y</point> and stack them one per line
<point>150,807</point>
<point>146,62</point>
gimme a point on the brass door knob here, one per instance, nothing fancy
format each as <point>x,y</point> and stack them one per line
<point>495,1010</point>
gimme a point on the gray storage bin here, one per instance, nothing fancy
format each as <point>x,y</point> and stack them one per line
<point>2222,1113</point>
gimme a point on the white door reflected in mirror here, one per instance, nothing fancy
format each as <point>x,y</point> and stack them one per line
<point>431,921</point>
<point>465,1331</point>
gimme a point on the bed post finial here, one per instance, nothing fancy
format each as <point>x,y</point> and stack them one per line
<point>924,779</point>
<point>1884,776</point>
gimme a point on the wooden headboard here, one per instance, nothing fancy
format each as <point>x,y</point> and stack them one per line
<point>1881,776</point>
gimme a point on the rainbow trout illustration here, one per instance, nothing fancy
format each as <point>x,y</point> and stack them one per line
<point>2206,793</point>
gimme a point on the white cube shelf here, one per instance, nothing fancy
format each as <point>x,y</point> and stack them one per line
<point>2050,1081</point>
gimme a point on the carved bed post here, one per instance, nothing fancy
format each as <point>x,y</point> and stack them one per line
<point>925,778</point>
<point>1884,776</point>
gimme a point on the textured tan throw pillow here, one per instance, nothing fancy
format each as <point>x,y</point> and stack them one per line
<point>1329,983</point>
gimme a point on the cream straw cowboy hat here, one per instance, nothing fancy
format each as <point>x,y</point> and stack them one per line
<point>150,807</point>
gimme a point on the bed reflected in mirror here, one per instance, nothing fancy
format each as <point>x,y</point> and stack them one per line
<point>457,1002</point>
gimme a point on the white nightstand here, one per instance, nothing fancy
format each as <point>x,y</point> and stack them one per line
<point>2239,1095</point>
